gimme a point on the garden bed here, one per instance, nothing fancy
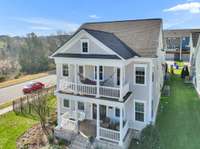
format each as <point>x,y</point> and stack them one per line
<point>33,138</point>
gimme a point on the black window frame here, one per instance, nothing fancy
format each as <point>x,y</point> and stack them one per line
<point>68,103</point>
<point>85,46</point>
<point>65,70</point>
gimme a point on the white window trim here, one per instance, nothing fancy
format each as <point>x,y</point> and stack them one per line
<point>83,104</point>
<point>140,101</point>
<point>67,108</point>
<point>145,74</point>
<point>102,76</point>
<point>68,71</point>
<point>85,40</point>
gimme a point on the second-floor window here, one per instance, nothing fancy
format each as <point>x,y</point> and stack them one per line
<point>100,73</point>
<point>85,47</point>
<point>140,75</point>
<point>66,103</point>
<point>65,70</point>
<point>117,112</point>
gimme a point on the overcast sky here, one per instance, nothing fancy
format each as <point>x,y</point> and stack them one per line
<point>46,17</point>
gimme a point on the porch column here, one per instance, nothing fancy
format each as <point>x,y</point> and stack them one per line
<point>121,83</point>
<point>180,58</point>
<point>76,114</point>
<point>121,127</point>
<point>98,124</point>
<point>75,73</point>
<point>97,82</point>
<point>58,112</point>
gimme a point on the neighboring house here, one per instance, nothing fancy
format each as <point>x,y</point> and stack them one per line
<point>109,79</point>
<point>195,62</point>
<point>178,44</point>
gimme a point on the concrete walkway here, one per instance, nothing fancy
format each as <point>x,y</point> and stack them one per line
<point>6,110</point>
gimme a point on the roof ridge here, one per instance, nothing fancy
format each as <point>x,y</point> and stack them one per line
<point>116,21</point>
<point>96,30</point>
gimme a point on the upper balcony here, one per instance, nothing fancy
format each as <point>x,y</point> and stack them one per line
<point>93,80</point>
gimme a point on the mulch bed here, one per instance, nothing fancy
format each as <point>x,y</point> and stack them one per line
<point>34,138</point>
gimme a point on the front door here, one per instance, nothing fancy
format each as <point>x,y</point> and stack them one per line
<point>102,111</point>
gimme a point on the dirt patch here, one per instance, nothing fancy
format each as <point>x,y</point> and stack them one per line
<point>34,138</point>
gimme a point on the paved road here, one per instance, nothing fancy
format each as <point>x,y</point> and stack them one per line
<point>15,91</point>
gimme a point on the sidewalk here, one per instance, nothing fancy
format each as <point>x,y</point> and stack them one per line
<point>5,110</point>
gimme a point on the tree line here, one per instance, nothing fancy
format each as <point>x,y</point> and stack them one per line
<point>28,54</point>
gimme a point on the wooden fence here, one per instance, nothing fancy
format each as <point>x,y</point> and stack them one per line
<point>22,104</point>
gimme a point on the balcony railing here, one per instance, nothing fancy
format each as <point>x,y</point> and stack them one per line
<point>85,89</point>
<point>108,134</point>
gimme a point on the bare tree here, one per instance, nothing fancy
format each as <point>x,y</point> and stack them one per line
<point>40,107</point>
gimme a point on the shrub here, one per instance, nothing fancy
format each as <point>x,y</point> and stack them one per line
<point>2,78</point>
<point>149,138</point>
<point>51,139</point>
<point>91,139</point>
<point>18,75</point>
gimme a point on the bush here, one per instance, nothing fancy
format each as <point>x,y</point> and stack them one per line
<point>149,138</point>
<point>18,75</point>
<point>2,78</point>
<point>91,139</point>
<point>51,139</point>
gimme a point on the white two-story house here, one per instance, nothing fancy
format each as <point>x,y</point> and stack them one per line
<point>195,61</point>
<point>109,77</point>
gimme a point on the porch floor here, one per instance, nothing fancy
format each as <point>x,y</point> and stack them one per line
<point>88,128</point>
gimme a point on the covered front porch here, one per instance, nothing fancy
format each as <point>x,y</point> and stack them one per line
<point>102,120</point>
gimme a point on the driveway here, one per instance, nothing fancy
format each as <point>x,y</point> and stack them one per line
<point>15,91</point>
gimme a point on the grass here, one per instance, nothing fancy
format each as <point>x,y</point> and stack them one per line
<point>178,118</point>
<point>22,79</point>
<point>12,127</point>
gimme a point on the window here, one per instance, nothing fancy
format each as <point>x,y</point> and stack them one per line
<point>117,112</point>
<point>81,70</point>
<point>66,103</point>
<point>65,70</point>
<point>139,111</point>
<point>100,73</point>
<point>118,76</point>
<point>81,106</point>
<point>85,47</point>
<point>140,75</point>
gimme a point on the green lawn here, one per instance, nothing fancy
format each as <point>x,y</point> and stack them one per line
<point>178,118</point>
<point>11,127</point>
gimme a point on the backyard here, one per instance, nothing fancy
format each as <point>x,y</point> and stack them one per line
<point>178,118</point>
<point>12,126</point>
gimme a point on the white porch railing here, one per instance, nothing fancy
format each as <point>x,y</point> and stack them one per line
<point>106,91</point>
<point>85,89</point>
<point>111,135</point>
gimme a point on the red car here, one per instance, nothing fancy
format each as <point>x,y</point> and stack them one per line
<point>33,86</point>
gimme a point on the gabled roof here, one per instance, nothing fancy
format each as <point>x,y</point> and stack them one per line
<point>127,38</point>
<point>140,36</point>
<point>113,42</point>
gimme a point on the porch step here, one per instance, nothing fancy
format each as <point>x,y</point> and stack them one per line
<point>79,142</point>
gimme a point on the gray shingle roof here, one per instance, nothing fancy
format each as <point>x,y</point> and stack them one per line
<point>113,42</point>
<point>141,36</point>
